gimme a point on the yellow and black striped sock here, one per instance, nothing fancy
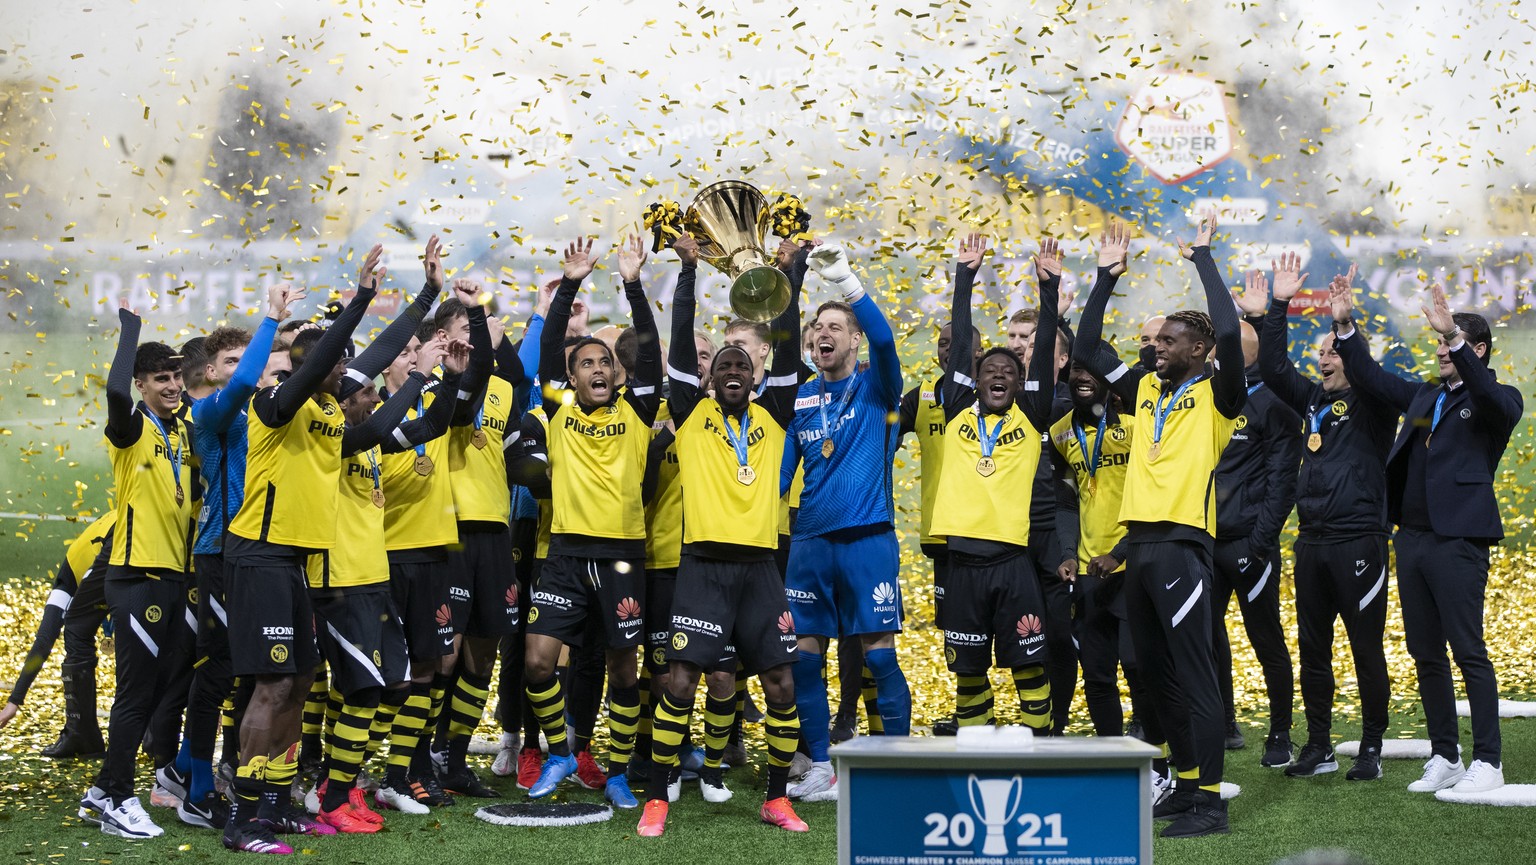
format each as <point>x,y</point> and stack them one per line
<point>718,717</point>
<point>348,745</point>
<point>384,718</point>
<point>421,761</point>
<point>333,702</point>
<point>781,727</point>
<point>548,701</point>
<point>871,707</point>
<point>312,722</point>
<point>465,709</point>
<point>643,725</point>
<point>405,735</point>
<point>1034,696</point>
<point>281,770</point>
<point>669,729</point>
<point>973,700</point>
<point>623,719</point>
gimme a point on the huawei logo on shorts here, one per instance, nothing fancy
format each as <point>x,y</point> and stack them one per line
<point>884,594</point>
<point>1029,624</point>
<point>629,609</point>
<point>444,616</point>
<point>512,596</point>
<point>786,623</point>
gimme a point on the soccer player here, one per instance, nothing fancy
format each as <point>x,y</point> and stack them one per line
<point>1184,417</point>
<point>598,440</point>
<point>292,486</point>
<point>150,447</point>
<point>1341,548</point>
<point>1255,491</point>
<point>844,560</point>
<point>86,558</point>
<point>729,605</point>
<point>922,413</point>
<point>1440,494</point>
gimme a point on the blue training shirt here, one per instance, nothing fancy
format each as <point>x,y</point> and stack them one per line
<point>852,488</point>
<point>524,505</point>
<point>218,434</point>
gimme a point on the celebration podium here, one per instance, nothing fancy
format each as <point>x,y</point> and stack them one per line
<point>994,796</point>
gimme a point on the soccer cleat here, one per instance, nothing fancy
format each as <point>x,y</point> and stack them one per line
<point>1315,759</point>
<point>1207,817</point>
<point>285,818</point>
<point>798,766</point>
<point>173,781</point>
<point>845,726</point>
<point>653,820</point>
<point>588,773</point>
<point>712,785</point>
<point>818,785</point>
<point>1480,777</point>
<point>1439,773</point>
<point>128,820</point>
<point>429,791</point>
<point>253,837</point>
<point>397,795</point>
<point>313,798</point>
<point>93,804</point>
<point>530,763</point>
<point>160,797</point>
<point>556,769</point>
<point>946,726</point>
<point>734,755</point>
<point>211,813</point>
<point>1367,766</point>
<point>465,782</point>
<point>1277,751</point>
<point>359,802</point>
<point>506,757</point>
<point>617,791</point>
<point>345,820</point>
<point>1234,740</point>
<point>1176,804</point>
<point>779,812</point>
<point>691,762</point>
<point>439,760</point>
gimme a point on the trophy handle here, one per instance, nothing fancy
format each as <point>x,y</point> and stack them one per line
<point>1015,798</point>
<point>973,787</point>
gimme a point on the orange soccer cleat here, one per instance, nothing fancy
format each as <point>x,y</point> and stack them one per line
<point>653,821</point>
<point>778,812</point>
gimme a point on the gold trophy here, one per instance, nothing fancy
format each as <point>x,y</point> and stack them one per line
<point>730,221</point>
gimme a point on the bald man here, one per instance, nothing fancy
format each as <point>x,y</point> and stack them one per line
<point>1255,490</point>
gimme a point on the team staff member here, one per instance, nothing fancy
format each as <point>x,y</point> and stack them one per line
<point>1341,547</point>
<point>1185,415</point>
<point>150,447</point>
<point>729,605</point>
<point>1452,437</point>
<point>597,443</point>
<point>1255,491</point>
<point>292,483</point>
<point>993,599</point>
<point>843,562</point>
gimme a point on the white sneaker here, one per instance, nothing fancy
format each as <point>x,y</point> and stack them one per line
<point>400,800</point>
<point>818,785</point>
<point>798,766</point>
<point>1161,787</point>
<point>675,790</point>
<point>439,761</point>
<point>93,804</point>
<point>714,794</point>
<point>1439,773</point>
<point>506,756</point>
<point>161,797</point>
<point>1480,778</point>
<point>312,800</point>
<point>128,820</point>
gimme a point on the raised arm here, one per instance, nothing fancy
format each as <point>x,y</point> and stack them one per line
<point>831,262</point>
<point>482,357</point>
<point>283,402</point>
<point>1360,368</point>
<point>385,418</point>
<point>1497,406</point>
<point>1114,250</point>
<point>958,386</point>
<point>1039,388</point>
<point>577,265</point>
<point>783,377</point>
<point>644,391</point>
<point>218,411</point>
<point>1279,373</point>
<point>123,424</point>
<point>1228,386</point>
<point>387,346</point>
<point>682,356</point>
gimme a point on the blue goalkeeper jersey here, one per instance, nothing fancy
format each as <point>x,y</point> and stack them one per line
<point>851,488</point>
<point>218,434</point>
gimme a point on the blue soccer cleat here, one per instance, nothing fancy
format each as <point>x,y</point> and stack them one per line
<point>556,769</point>
<point>617,791</point>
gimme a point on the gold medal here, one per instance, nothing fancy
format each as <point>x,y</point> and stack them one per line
<point>181,495</point>
<point>745,476</point>
<point>1314,441</point>
<point>986,466</point>
<point>1093,485</point>
<point>423,465</point>
<point>1428,437</point>
<point>1154,450</point>
<point>827,447</point>
<point>477,438</point>
<point>378,497</point>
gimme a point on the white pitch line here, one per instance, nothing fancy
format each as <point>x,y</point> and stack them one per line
<point>7,515</point>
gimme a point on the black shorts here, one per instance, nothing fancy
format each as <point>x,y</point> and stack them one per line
<point>273,629</point>
<point>993,601</point>
<point>482,584</point>
<point>420,592</point>
<point>724,612</point>
<point>939,555</point>
<point>212,618</point>
<point>660,586</point>
<point>361,637</point>
<point>569,590</point>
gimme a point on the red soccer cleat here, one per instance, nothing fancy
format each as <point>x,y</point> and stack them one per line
<point>359,802</point>
<point>346,820</point>
<point>530,762</point>
<point>778,812</point>
<point>653,821</point>
<point>588,773</point>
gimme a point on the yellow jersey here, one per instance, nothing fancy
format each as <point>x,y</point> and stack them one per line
<point>987,499</point>
<point>597,470</point>
<point>84,549</point>
<point>664,514</point>
<point>154,530</point>
<point>479,472</point>
<point>292,476</point>
<point>359,557</point>
<point>1175,480</point>
<point>1098,491</point>
<point>724,501</point>
<point>418,508</point>
<point>928,426</point>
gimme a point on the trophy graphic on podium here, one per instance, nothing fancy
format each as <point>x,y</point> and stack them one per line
<point>996,802</point>
<point>730,220</point>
